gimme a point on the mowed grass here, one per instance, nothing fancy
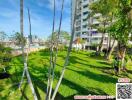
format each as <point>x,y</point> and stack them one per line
<point>84,75</point>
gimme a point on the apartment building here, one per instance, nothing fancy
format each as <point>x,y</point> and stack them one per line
<point>91,36</point>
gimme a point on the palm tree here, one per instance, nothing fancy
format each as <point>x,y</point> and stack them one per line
<point>25,71</point>
<point>30,30</point>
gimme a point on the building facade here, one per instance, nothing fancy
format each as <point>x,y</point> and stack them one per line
<point>91,36</point>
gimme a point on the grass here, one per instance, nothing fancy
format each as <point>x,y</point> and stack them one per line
<point>84,75</point>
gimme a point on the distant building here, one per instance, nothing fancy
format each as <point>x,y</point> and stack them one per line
<point>82,28</point>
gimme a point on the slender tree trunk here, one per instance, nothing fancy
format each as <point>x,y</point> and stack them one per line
<point>67,58</point>
<point>56,53</point>
<point>30,30</point>
<point>102,39</point>
<point>48,95</point>
<point>101,43</point>
<point>108,44</point>
<point>111,50</point>
<point>123,59</point>
<point>122,52</point>
<point>22,44</point>
<point>25,71</point>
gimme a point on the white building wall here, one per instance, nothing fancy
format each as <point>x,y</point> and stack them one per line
<point>85,32</point>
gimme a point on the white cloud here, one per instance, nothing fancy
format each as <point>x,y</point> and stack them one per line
<point>40,25</point>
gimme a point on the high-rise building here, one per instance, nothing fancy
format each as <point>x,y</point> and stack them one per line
<point>91,36</point>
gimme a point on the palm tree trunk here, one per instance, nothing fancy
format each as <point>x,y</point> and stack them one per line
<point>30,30</point>
<point>67,58</point>
<point>22,44</point>
<point>25,71</point>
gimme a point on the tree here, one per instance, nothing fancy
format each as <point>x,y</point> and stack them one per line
<point>118,14</point>
<point>30,26</point>
<point>63,37</point>
<point>22,42</point>
<point>67,57</point>
<point>121,27</point>
<point>105,9</point>
<point>19,39</point>
<point>2,36</point>
<point>5,56</point>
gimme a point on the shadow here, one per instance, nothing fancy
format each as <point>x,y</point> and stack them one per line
<point>4,75</point>
<point>104,63</point>
<point>129,71</point>
<point>38,83</point>
<point>37,93</point>
<point>23,93</point>
<point>39,77</point>
<point>82,91</point>
<point>96,77</point>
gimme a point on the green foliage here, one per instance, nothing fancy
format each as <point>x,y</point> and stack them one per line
<point>121,28</point>
<point>83,69</point>
<point>2,36</point>
<point>19,39</point>
<point>64,36</point>
<point>5,56</point>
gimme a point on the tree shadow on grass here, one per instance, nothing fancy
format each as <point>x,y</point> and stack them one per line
<point>44,53</point>
<point>129,71</point>
<point>38,83</point>
<point>104,63</point>
<point>23,92</point>
<point>96,77</point>
<point>105,67</point>
<point>81,90</point>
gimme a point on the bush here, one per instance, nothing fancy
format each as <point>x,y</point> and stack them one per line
<point>5,56</point>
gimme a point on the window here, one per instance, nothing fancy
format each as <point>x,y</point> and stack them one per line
<point>85,13</point>
<point>78,28</point>
<point>84,26</point>
<point>85,6</point>
<point>84,20</point>
<point>78,17</point>
<point>78,23</point>
<point>78,34</point>
<point>95,39</point>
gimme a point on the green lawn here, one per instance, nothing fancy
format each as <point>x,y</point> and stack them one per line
<point>84,75</point>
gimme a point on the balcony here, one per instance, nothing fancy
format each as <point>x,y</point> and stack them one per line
<point>95,21</point>
<point>85,2</point>
<point>97,35</point>
<point>84,36</point>
<point>84,23</point>
<point>85,16</point>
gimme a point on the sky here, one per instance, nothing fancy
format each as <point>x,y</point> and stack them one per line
<point>41,16</point>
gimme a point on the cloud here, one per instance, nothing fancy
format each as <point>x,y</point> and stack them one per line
<point>41,16</point>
